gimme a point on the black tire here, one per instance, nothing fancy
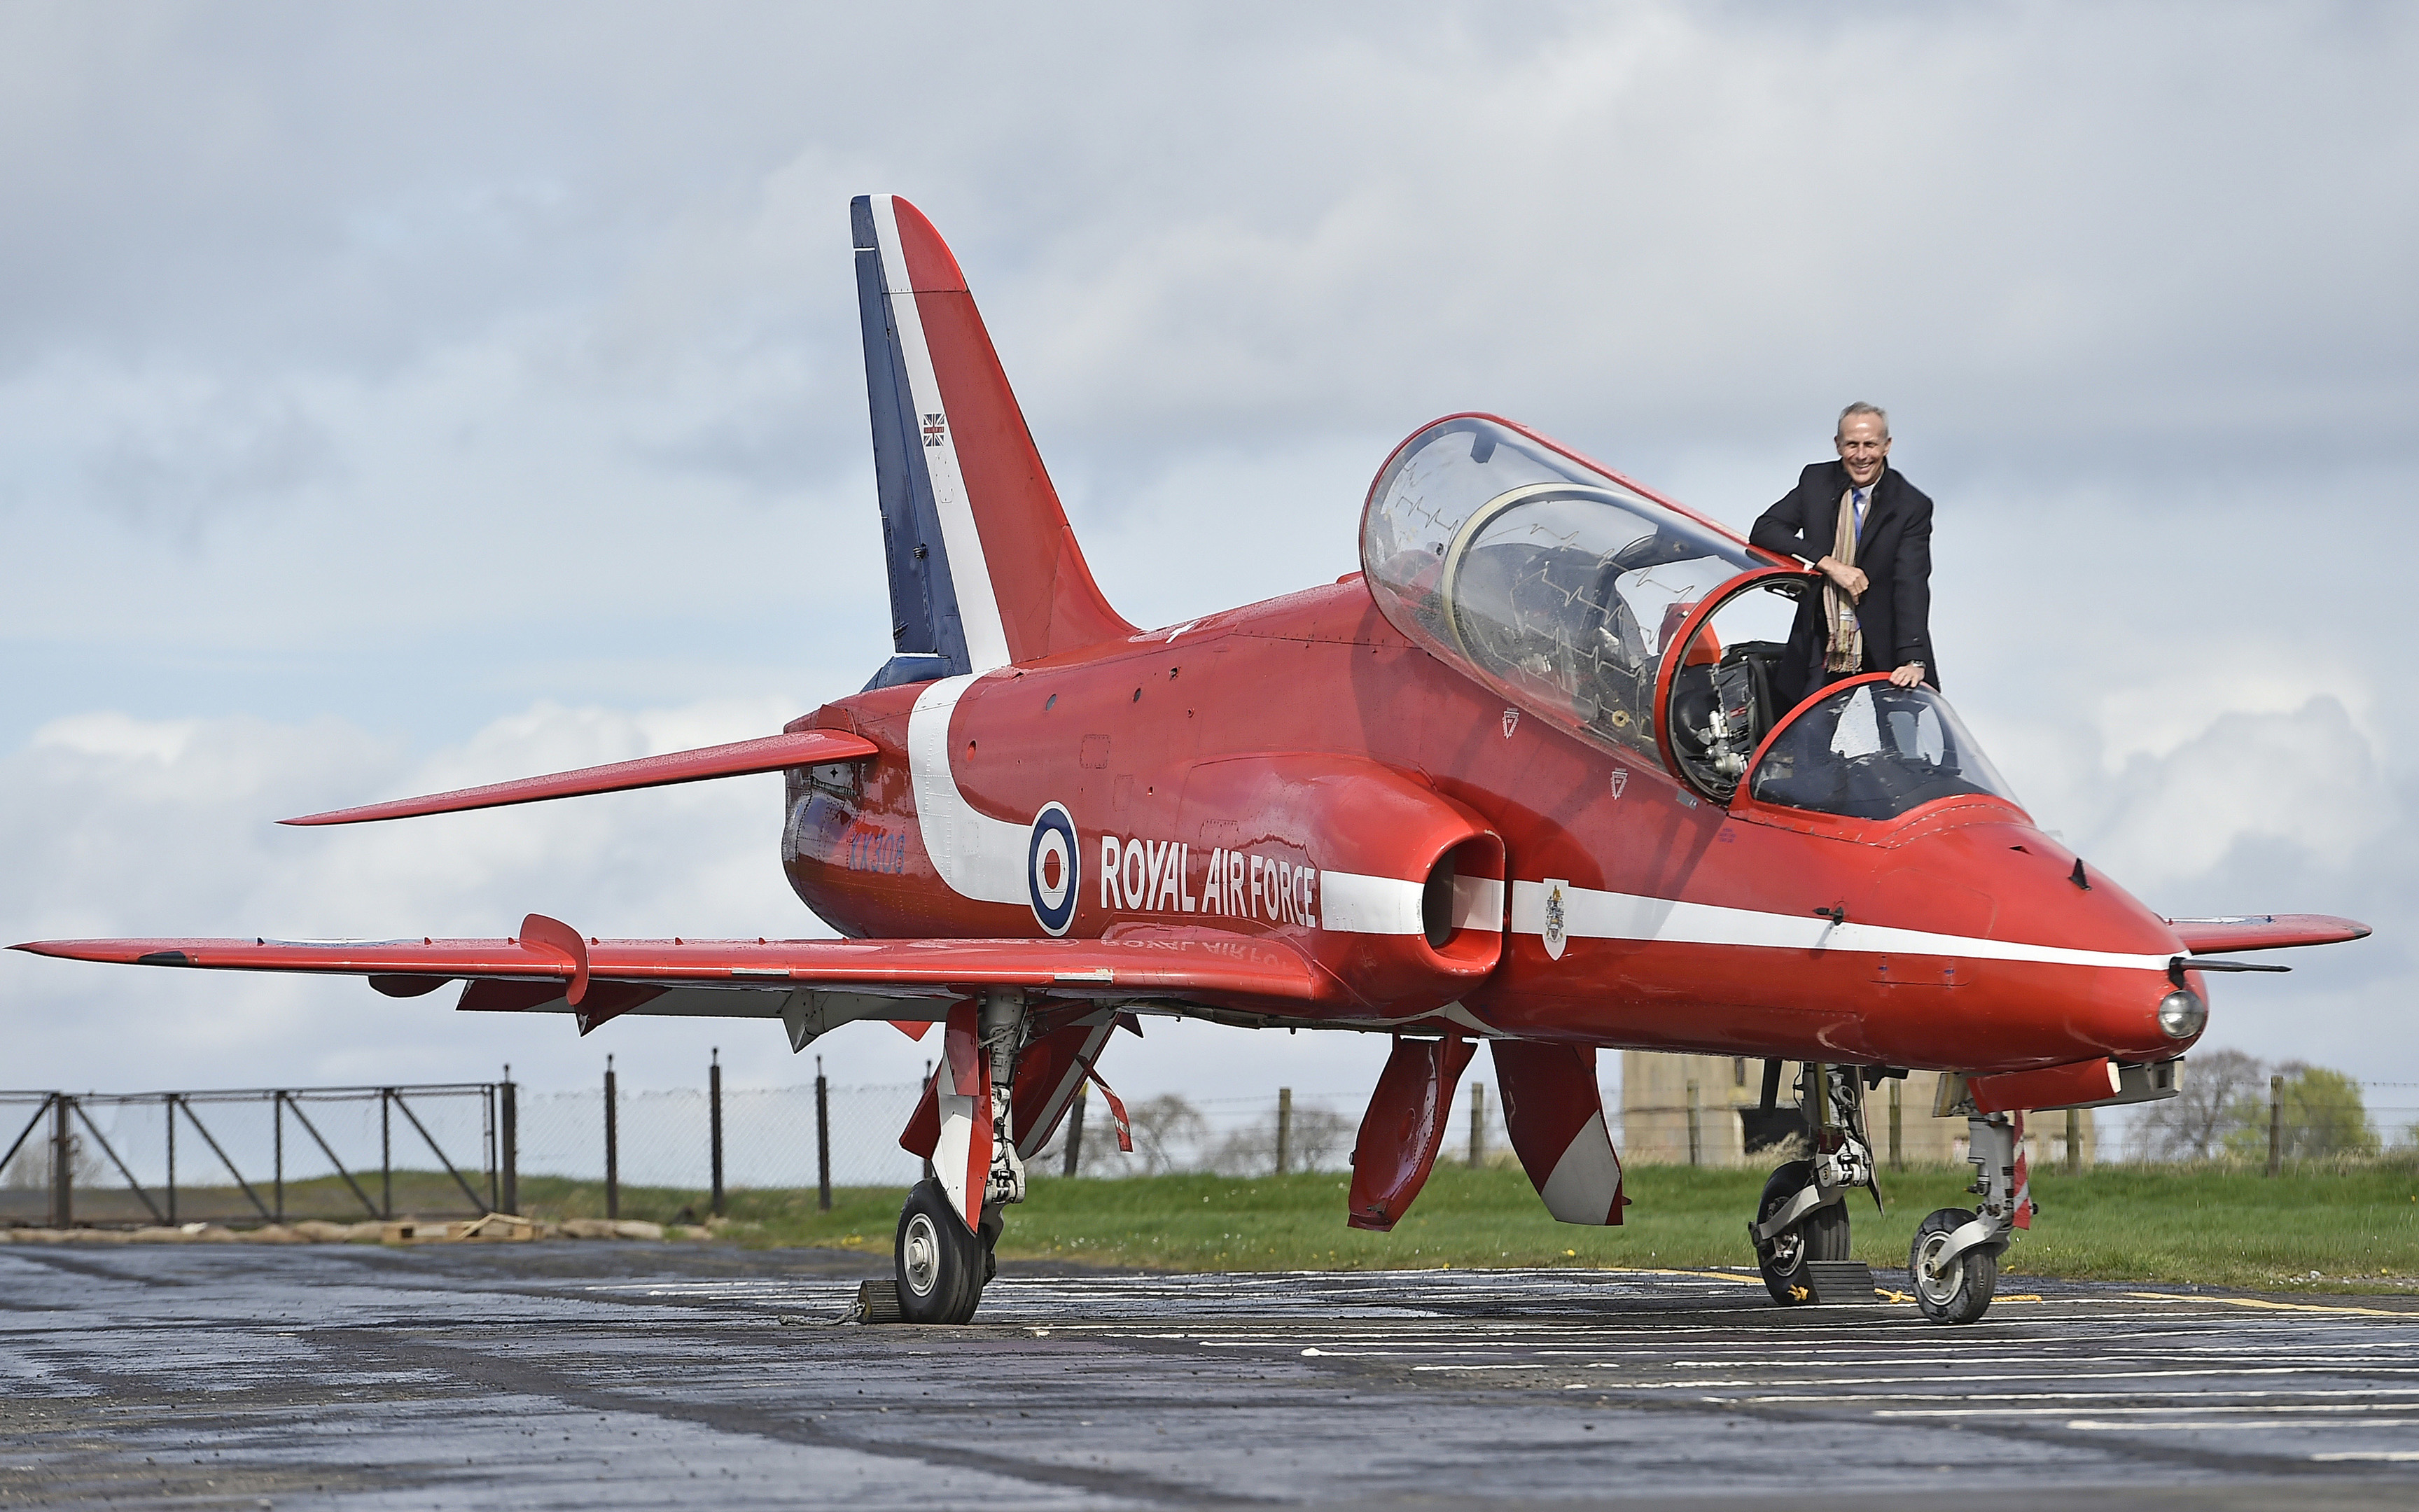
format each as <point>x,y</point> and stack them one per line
<point>1821,1235</point>
<point>1962,1293</point>
<point>937,1261</point>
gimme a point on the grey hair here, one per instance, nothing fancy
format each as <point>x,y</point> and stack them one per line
<point>1860,408</point>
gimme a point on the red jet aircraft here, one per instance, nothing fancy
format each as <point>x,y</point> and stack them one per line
<point>1524,778</point>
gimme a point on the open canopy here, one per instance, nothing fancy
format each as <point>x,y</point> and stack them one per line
<point>1550,580</point>
<point>1638,625</point>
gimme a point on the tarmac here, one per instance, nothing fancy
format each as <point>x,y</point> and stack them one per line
<point>586,1374</point>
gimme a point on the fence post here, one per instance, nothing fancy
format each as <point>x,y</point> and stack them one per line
<point>508,1140</point>
<point>62,1163</point>
<point>823,1138</point>
<point>1696,1133</point>
<point>1285,1128</point>
<point>1075,1131</point>
<point>714,1123</point>
<point>2275,1124</point>
<point>2073,1141</point>
<point>168,1100</point>
<point>1477,1125</point>
<point>1897,1151</point>
<point>612,1150</point>
<point>386,1153</point>
<point>277,1144</point>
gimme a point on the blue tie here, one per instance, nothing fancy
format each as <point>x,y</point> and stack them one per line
<point>1858,495</point>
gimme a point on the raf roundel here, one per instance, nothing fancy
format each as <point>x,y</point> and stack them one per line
<point>1050,867</point>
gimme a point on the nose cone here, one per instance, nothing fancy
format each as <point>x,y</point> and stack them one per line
<point>2064,968</point>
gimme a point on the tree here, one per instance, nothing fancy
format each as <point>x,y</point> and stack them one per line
<point>1167,1130</point>
<point>2195,1123</point>
<point>1316,1139</point>
<point>2320,1113</point>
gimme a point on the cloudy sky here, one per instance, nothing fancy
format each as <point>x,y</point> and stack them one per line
<point>394,398</point>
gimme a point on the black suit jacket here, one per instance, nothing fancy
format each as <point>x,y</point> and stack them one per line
<point>1895,551</point>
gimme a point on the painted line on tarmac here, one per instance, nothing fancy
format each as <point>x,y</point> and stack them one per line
<point>2144,1412</point>
<point>2036,1375</point>
<point>2263,1303</point>
<point>2065,1395</point>
<point>2086,1425</point>
<point>2371,1454</point>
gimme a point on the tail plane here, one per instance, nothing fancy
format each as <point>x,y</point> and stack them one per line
<point>984,568</point>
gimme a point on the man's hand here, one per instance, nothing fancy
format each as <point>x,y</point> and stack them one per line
<point>1851,580</point>
<point>1908,676</point>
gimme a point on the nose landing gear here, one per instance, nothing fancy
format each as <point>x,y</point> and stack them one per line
<point>1954,1261</point>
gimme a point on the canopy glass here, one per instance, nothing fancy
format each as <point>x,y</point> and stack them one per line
<point>1549,582</point>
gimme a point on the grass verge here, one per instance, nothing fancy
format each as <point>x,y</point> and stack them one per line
<point>2358,1227</point>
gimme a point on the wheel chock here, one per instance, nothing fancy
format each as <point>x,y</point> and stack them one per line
<point>877,1301</point>
<point>1841,1284</point>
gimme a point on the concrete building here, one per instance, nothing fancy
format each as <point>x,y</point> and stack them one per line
<point>1658,1093</point>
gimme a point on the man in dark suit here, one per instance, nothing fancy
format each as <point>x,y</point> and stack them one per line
<point>1869,531</point>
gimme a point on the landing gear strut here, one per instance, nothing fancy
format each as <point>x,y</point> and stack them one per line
<point>1803,1215</point>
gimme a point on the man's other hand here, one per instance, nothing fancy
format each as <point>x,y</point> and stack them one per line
<point>1909,675</point>
<point>1851,580</point>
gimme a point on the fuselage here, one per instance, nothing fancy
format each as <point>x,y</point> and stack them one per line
<point>1638,914</point>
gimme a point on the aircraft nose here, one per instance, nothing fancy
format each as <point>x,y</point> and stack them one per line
<point>2070,951</point>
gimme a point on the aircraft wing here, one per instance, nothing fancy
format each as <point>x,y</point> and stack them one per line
<point>772,753</point>
<point>2264,931</point>
<point>549,966</point>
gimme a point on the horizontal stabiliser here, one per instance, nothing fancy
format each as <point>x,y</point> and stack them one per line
<point>773,753</point>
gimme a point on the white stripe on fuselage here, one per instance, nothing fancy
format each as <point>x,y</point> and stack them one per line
<point>1623,915</point>
<point>978,857</point>
<point>969,570</point>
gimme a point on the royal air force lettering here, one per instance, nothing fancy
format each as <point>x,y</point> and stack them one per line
<point>1158,876</point>
<point>1051,868</point>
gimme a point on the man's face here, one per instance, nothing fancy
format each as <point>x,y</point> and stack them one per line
<point>1862,445</point>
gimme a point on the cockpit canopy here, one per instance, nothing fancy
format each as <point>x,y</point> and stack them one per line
<point>1638,628</point>
<point>1551,582</point>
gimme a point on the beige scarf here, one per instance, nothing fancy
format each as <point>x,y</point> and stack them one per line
<point>1847,652</point>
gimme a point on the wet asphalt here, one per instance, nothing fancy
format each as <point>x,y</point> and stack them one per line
<point>569,1374</point>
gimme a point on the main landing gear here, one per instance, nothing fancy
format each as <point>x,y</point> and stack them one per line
<point>940,1265</point>
<point>1803,1216</point>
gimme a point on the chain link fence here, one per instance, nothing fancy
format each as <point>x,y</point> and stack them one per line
<point>347,1153</point>
<point>230,1157</point>
<point>665,1139</point>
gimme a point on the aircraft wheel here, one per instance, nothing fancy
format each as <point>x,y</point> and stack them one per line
<point>1961,1293</point>
<point>1821,1235</point>
<point>939,1265</point>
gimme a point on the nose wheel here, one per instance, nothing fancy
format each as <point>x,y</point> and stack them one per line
<point>1951,1286</point>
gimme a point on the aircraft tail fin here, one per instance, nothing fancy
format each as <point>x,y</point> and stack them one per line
<point>984,568</point>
